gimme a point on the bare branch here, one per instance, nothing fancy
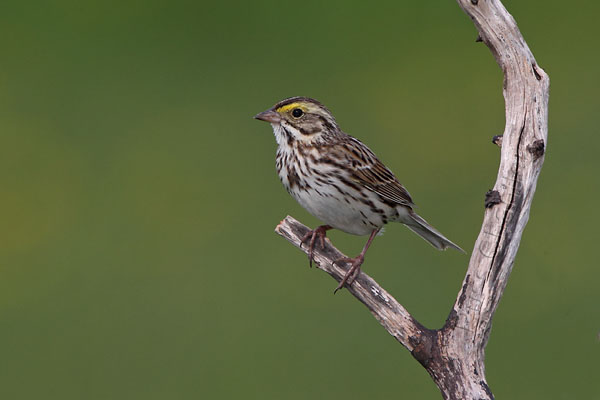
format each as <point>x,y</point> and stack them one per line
<point>394,318</point>
<point>454,354</point>
<point>526,89</point>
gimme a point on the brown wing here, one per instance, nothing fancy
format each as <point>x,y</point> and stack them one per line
<point>372,174</point>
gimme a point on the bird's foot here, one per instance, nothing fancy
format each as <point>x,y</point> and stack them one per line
<point>319,232</point>
<point>353,272</point>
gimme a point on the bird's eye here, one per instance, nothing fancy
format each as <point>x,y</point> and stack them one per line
<point>297,112</point>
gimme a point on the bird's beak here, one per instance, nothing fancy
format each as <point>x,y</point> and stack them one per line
<point>269,116</point>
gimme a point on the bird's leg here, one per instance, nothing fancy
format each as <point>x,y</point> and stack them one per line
<point>355,262</point>
<point>321,233</point>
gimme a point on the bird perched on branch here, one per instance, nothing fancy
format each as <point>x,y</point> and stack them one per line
<point>339,180</point>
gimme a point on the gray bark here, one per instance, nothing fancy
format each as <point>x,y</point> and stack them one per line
<point>454,354</point>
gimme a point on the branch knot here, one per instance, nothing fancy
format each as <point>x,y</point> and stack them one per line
<point>492,197</point>
<point>536,148</point>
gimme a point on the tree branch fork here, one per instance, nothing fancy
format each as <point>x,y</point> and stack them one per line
<point>454,354</point>
<point>424,344</point>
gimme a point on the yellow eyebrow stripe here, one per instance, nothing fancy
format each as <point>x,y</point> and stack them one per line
<point>288,107</point>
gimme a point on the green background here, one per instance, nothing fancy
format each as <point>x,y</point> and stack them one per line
<point>138,198</point>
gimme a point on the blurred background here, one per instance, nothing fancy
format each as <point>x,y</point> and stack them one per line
<point>138,198</point>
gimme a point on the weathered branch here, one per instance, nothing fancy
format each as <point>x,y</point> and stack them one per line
<point>454,354</point>
<point>394,318</point>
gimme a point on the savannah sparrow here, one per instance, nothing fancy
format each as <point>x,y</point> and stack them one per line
<point>338,179</point>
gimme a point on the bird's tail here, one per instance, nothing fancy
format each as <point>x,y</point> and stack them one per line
<point>419,226</point>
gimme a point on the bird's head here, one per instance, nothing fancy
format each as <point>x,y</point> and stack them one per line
<point>300,119</point>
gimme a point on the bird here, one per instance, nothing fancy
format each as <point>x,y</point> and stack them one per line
<point>339,180</point>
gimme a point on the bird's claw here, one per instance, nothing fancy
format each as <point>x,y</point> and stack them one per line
<point>352,272</point>
<point>321,233</point>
